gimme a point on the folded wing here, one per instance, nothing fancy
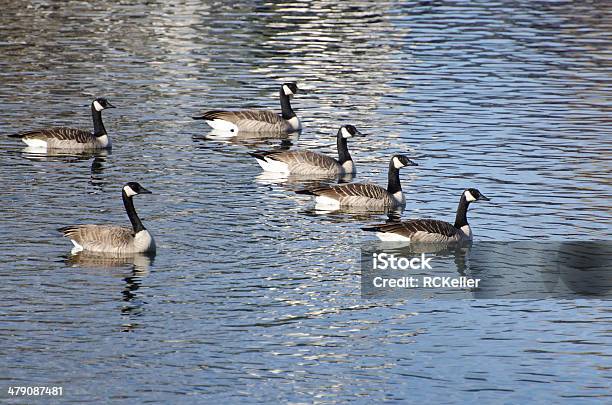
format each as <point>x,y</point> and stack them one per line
<point>58,134</point>
<point>411,228</point>
<point>100,238</point>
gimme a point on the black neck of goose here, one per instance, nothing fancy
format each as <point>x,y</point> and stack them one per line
<point>341,144</point>
<point>394,181</point>
<point>99,129</point>
<point>131,212</point>
<point>286,105</point>
<point>461,218</point>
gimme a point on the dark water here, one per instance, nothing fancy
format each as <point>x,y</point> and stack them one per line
<point>253,296</point>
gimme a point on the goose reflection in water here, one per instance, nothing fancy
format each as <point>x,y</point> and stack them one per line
<point>269,178</point>
<point>57,155</point>
<point>139,262</point>
<point>250,138</point>
<point>355,213</point>
<point>448,256</point>
<point>138,266</point>
<point>211,143</point>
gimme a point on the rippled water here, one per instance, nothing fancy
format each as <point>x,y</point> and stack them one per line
<point>254,296</point>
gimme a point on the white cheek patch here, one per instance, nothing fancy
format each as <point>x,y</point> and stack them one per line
<point>345,133</point>
<point>397,164</point>
<point>287,90</point>
<point>468,196</point>
<point>128,191</point>
<point>98,106</point>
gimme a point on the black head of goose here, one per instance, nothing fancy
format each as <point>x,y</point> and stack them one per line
<point>432,230</point>
<point>71,138</point>
<point>257,121</point>
<point>365,195</point>
<point>111,238</point>
<point>304,162</point>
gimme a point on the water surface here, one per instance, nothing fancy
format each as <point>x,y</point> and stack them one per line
<point>254,296</point>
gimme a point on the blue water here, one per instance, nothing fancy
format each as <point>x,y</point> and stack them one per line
<point>253,295</point>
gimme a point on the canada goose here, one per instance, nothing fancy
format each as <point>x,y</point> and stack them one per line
<point>71,138</point>
<point>431,230</point>
<point>257,120</point>
<point>111,238</point>
<point>307,162</point>
<point>365,195</point>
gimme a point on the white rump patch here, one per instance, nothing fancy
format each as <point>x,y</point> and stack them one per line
<point>77,248</point>
<point>326,202</point>
<point>468,196</point>
<point>287,90</point>
<point>392,237</point>
<point>222,125</point>
<point>397,164</point>
<point>35,143</point>
<point>271,165</point>
<point>128,191</point>
<point>345,133</point>
<point>98,106</point>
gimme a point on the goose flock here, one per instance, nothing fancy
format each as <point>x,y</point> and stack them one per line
<point>363,196</point>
